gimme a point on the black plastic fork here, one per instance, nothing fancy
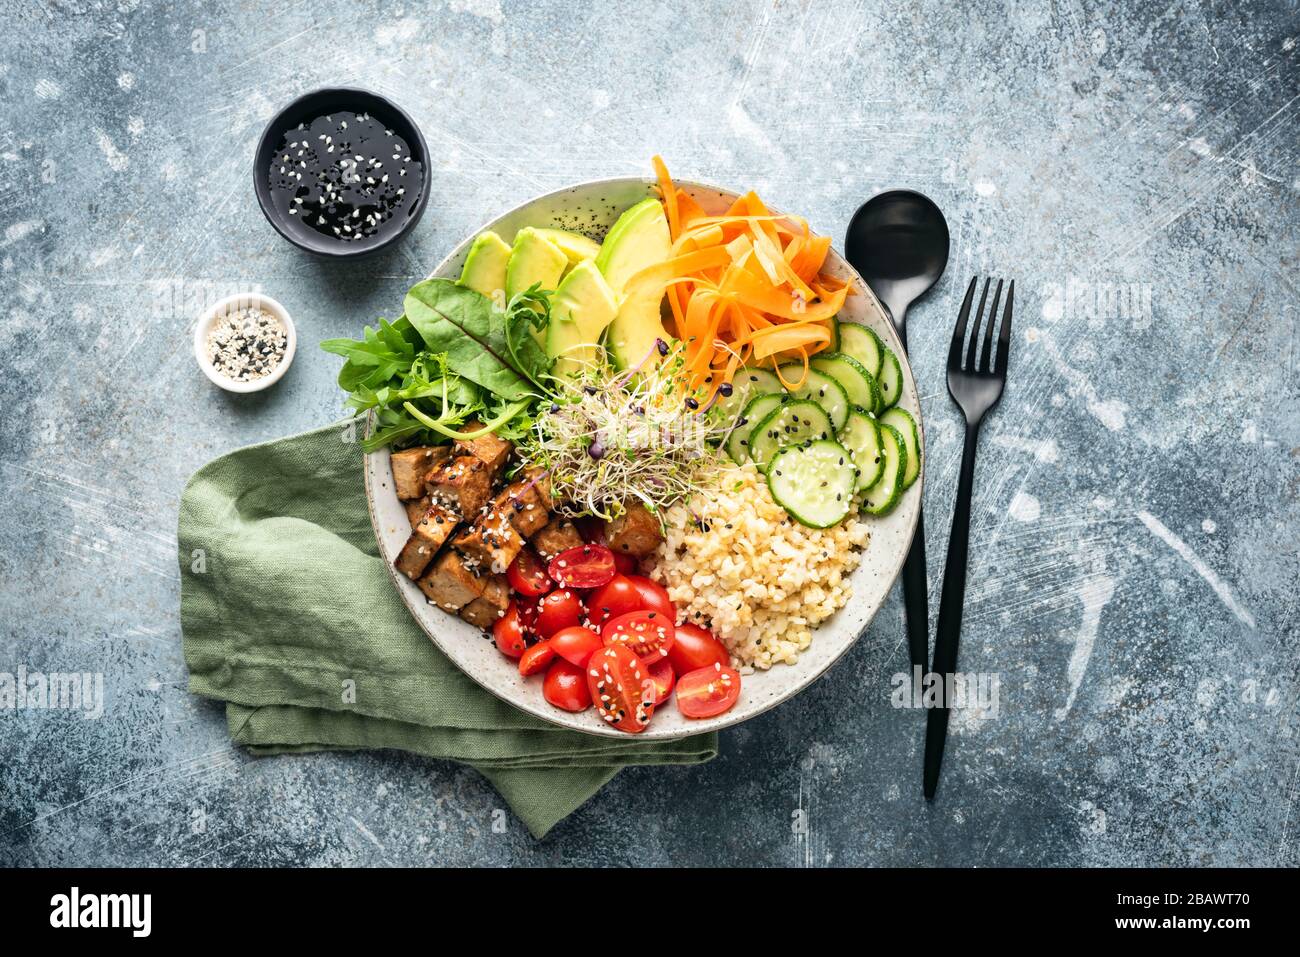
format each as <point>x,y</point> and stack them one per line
<point>976,388</point>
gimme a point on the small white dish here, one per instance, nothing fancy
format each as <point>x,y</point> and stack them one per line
<point>243,300</point>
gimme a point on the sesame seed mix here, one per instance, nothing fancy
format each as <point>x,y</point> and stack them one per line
<point>246,344</point>
<point>330,174</point>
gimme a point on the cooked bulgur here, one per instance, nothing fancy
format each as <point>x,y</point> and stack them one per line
<point>735,562</point>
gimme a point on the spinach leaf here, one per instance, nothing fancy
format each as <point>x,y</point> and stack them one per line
<point>459,322</point>
<point>527,312</point>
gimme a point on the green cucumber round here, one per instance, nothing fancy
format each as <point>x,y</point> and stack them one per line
<point>861,436</point>
<point>902,420</point>
<point>745,384</point>
<point>813,482</point>
<point>863,344</point>
<point>790,423</point>
<point>820,388</point>
<point>891,380</point>
<point>859,384</point>
<point>888,489</point>
<point>755,411</point>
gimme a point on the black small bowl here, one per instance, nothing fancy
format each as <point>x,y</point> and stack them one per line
<point>324,102</point>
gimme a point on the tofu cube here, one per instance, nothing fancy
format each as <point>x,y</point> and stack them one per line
<point>555,537</point>
<point>415,509</point>
<point>463,485</point>
<point>488,449</point>
<point>410,466</point>
<point>484,611</point>
<point>636,532</point>
<point>526,506</point>
<point>433,529</point>
<point>491,543</point>
<point>450,584</point>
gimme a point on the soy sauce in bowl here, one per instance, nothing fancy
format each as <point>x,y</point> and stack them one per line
<point>342,172</point>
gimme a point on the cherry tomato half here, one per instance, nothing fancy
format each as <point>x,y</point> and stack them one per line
<point>647,634</point>
<point>527,574</point>
<point>508,631</point>
<point>621,688</point>
<point>583,566</point>
<point>575,644</point>
<point>560,609</point>
<point>565,686</point>
<point>618,597</point>
<point>654,596</point>
<point>536,658</point>
<point>664,679</point>
<point>696,648</point>
<point>707,692</point>
<point>626,564</point>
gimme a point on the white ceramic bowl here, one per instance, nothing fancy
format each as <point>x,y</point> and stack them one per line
<point>591,208</point>
<point>244,300</point>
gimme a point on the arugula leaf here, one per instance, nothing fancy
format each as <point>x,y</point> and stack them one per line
<point>458,321</point>
<point>527,312</point>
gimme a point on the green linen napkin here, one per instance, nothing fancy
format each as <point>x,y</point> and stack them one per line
<point>289,617</point>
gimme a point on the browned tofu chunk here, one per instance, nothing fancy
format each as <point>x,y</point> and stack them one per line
<point>463,485</point>
<point>491,543</point>
<point>488,449</point>
<point>541,483</point>
<point>410,466</point>
<point>415,509</point>
<point>484,611</point>
<point>559,534</point>
<point>450,584</point>
<point>526,505</point>
<point>635,532</point>
<point>427,537</point>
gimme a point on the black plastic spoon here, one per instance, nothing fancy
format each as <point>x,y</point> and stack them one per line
<point>898,243</point>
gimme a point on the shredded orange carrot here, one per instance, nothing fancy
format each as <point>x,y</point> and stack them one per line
<point>743,287</point>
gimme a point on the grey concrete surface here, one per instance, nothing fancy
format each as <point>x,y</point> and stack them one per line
<point>1135,580</point>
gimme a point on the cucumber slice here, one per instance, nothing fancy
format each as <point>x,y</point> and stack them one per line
<point>859,384</point>
<point>861,436</point>
<point>864,345</point>
<point>813,482</point>
<point>835,334</point>
<point>906,425</point>
<point>820,388</point>
<point>745,384</point>
<point>884,495</point>
<point>755,411</point>
<point>891,380</point>
<point>788,424</point>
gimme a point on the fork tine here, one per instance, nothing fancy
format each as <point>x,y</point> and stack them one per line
<point>975,330</point>
<point>959,334</point>
<point>1004,334</point>
<point>988,331</point>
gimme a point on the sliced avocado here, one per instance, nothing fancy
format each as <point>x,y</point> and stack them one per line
<point>638,239</point>
<point>574,245</point>
<point>580,310</point>
<point>485,266</point>
<point>534,259</point>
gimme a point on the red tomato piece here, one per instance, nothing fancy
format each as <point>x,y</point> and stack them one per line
<point>560,609</point>
<point>621,688</point>
<point>664,679</point>
<point>707,692</point>
<point>647,634</point>
<point>625,564</point>
<point>536,658</point>
<point>618,597</point>
<point>583,566</point>
<point>508,631</point>
<point>654,596</point>
<point>565,686</point>
<point>695,648</point>
<point>576,644</point>
<point>527,574</point>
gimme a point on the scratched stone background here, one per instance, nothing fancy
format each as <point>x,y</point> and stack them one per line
<point>1134,578</point>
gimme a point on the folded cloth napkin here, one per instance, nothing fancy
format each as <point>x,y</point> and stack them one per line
<point>289,617</point>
